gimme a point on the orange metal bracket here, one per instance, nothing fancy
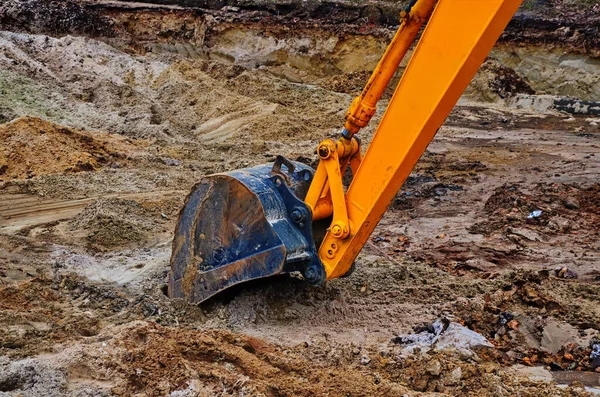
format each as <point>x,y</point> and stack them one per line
<point>340,226</point>
<point>326,196</point>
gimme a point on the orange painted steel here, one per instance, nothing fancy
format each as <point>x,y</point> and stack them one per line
<point>319,198</point>
<point>456,41</point>
<point>364,106</point>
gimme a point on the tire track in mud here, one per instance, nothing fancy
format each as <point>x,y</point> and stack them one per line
<point>19,211</point>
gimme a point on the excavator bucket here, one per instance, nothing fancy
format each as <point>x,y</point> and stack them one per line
<point>244,225</point>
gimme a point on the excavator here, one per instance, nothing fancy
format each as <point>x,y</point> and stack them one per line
<point>286,217</point>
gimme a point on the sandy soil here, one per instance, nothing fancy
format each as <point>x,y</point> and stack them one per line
<point>33,147</point>
<point>112,115</point>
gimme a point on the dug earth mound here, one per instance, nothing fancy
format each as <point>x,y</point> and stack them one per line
<point>482,279</point>
<point>33,147</point>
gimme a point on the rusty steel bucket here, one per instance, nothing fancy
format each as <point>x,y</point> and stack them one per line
<point>244,225</point>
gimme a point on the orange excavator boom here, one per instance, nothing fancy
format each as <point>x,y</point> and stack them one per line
<point>286,217</point>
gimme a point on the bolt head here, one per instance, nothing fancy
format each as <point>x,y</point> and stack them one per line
<point>323,151</point>
<point>336,230</point>
<point>296,215</point>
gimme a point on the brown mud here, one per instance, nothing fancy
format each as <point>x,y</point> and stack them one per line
<point>111,111</point>
<point>33,147</point>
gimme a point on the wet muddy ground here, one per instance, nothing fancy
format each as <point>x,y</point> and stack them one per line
<point>110,116</point>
